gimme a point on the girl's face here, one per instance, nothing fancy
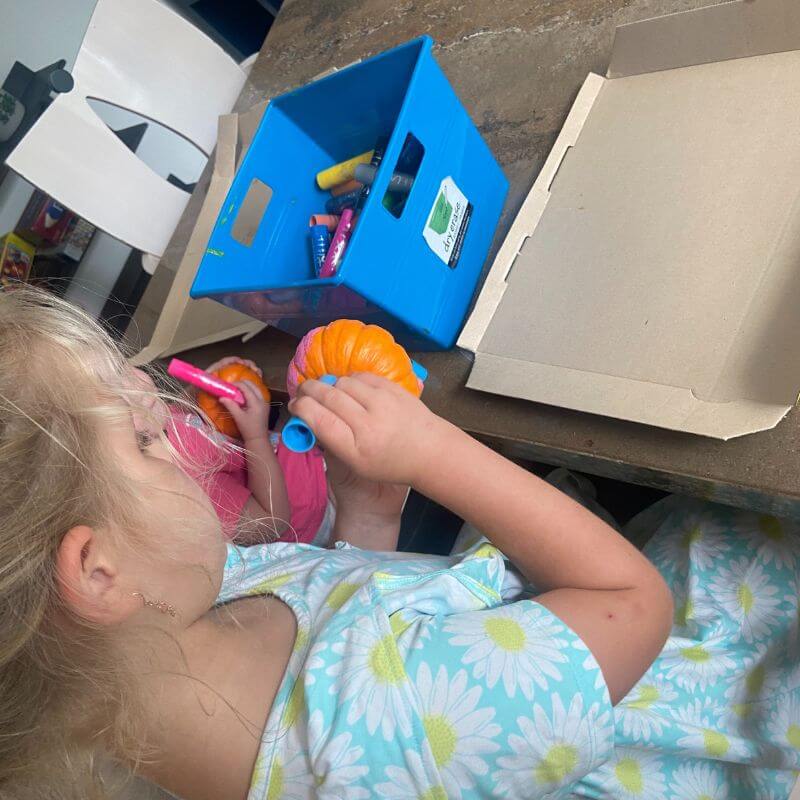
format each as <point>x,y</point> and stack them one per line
<point>184,568</point>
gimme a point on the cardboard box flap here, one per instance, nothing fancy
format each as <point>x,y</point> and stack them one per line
<point>182,323</point>
<point>659,278</point>
<point>714,33</point>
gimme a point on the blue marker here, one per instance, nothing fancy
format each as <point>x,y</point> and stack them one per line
<point>296,435</point>
<point>320,241</point>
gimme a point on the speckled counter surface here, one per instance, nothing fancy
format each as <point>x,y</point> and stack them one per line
<point>517,65</point>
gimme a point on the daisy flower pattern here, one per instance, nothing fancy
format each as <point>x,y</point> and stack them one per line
<point>371,675</point>
<point>507,644</point>
<point>635,775</point>
<point>706,542</point>
<point>695,665</point>
<point>746,593</point>
<point>460,732</point>
<point>413,780</point>
<point>784,727</point>
<point>699,781</point>
<point>779,541</point>
<point>555,749</point>
<point>336,763</point>
<point>290,778</point>
<point>641,714</point>
<point>699,722</point>
<point>426,678</point>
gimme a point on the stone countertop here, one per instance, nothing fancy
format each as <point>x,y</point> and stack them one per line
<point>517,66</point>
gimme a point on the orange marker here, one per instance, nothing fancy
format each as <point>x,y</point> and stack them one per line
<point>330,221</point>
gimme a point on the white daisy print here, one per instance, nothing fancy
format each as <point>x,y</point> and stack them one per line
<point>695,665</point>
<point>590,665</point>
<point>337,764</point>
<point>314,662</point>
<point>635,775</point>
<point>784,726</point>
<point>704,735</point>
<point>370,673</point>
<point>554,750</point>
<point>290,778</point>
<point>460,733</point>
<point>699,781</point>
<point>703,541</point>
<point>517,643</point>
<point>758,678</point>
<point>744,591</point>
<point>692,608</point>
<point>778,542</point>
<point>416,780</point>
<point>642,714</point>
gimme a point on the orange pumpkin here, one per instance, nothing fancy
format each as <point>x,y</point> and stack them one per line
<point>215,411</point>
<point>348,346</point>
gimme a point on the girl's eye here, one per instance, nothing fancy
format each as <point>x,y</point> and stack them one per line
<point>144,439</point>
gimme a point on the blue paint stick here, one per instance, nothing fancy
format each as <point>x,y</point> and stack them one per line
<point>320,240</point>
<point>296,434</point>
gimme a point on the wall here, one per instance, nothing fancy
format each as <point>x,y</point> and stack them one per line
<point>39,32</point>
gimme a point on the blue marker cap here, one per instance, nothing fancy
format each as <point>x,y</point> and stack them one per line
<point>296,435</point>
<point>419,370</point>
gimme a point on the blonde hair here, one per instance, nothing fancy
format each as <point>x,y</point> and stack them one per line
<point>65,693</point>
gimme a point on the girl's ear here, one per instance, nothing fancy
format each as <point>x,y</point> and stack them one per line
<point>88,578</point>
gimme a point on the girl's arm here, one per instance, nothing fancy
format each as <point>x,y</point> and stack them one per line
<point>588,574</point>
<point>270,501</point>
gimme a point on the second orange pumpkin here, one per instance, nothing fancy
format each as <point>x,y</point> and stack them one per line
<point>215,411</point>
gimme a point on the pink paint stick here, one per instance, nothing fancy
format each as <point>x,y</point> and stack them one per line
<point>338,244</point>
<point>204,380</point>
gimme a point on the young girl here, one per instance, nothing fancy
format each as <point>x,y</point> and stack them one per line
<point>260,490</point>
<point>129,628</point>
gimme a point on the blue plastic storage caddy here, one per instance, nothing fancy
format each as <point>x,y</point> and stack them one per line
<point>390,273</point>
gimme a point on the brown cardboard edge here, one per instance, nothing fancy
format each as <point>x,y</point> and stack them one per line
<point>704,35</point>
<point>653,404</point>
<point>162,339</point>
<point>528,217</point>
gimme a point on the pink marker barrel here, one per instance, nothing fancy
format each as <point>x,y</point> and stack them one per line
<point>204,380</point>
<point>338,244</point>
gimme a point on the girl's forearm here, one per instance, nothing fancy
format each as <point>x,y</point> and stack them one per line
<point>265,479</point>
<point>553,540</point>
<point>367,531</point>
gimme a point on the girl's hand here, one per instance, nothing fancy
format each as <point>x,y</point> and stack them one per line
<point>252,419</point>
<point>362,495</point>
<point>224,362</point>
<point>367,512</point>
<point>376,428</point>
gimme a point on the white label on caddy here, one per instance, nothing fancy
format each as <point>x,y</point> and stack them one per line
<point>447,223</point>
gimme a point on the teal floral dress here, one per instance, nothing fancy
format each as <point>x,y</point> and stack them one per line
<point>425,677</point>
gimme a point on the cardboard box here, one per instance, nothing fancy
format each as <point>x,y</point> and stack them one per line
<point>653,272</point>
<point>167,319</point>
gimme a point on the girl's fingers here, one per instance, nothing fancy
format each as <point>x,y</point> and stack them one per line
<point>251,394</point>
<point>377,381</point>
<point>360,391</point>
<point>253,366</point>
<point>331,430</point>
<point>334,399</point>
<point>232,407</point>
